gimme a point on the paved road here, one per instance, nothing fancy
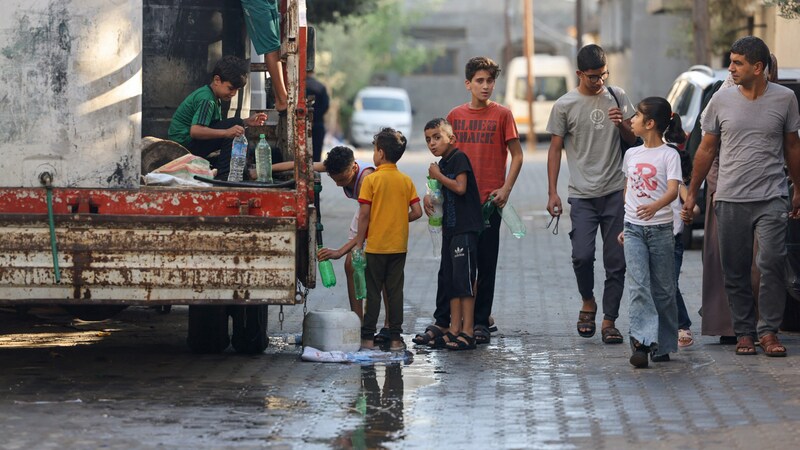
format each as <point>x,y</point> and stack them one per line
<point>131,383</point>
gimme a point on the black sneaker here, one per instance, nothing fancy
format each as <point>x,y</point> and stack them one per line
<point>640,354</point>
<point>660,358</point>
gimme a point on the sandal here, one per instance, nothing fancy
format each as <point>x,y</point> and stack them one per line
<point>771,345</point>
<point>468,343</point>
<point>430,334</point>
<point>586,325</point>
<point>442,340</point>
<point>611,335</point>
<point>685,338</point>
<point>745,346</point>
<point>396,345</point>
<point>492,325</point>
<point>382,337</point>
<point>482,334</point>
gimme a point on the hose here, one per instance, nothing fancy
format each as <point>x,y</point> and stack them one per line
<point>47,180</point>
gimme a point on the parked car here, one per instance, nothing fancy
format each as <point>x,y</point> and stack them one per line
<point>553,77</point>
<point>376,108</point>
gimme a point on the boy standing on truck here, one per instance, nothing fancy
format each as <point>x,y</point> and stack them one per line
<point>197,123</point>
<point>386,196</point>
<point>486,133</point>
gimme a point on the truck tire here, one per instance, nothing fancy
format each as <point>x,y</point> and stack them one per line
<point>208,329</point>
<point>249,329</point>
<point>93,313</point>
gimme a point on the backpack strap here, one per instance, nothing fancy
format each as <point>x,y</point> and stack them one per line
<point>611,91</point>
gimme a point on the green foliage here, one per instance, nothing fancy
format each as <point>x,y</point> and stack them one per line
<point>356,49</point>
<point>327,11</point>
<point>789,9</point>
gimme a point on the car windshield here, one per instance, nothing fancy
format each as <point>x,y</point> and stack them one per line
<point>545,88</point>
<point>382,104</point>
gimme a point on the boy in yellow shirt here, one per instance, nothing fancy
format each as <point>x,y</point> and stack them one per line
<point>388,202</point>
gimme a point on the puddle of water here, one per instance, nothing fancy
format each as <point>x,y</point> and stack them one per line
<point>386,393</point>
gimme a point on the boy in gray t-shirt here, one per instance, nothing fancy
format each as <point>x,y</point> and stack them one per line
<point>756,124</point>
<point>589,123</point>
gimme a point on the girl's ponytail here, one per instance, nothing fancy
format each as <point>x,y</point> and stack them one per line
<point>674,132</point>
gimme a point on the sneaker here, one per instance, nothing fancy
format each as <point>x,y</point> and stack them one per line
<point>640,354</point>
<point>660,358</point>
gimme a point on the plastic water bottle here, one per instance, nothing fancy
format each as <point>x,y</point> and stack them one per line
<point>238,158</point>
<point>326,272</point>
<point>513,221</point>
<point>487,210</point>
<point>435,220</point>
<point>359,273</point>
<point>263,160</point>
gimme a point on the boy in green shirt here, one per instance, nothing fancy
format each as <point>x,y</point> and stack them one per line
<point>197,123</point>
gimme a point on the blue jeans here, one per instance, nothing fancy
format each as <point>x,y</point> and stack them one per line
<point>684,323</point>
<point>650,259</point>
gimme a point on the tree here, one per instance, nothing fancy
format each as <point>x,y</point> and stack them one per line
<point>328,11</point>
<point>354,49</point>
<point>789,9</point>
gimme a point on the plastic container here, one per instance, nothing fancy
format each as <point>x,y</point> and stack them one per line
<point>238,158</point>
<point>359,273</point>
<point>434,191</point>
<point>332,330</point>
<point>326,272</point>
<point>487,210</point>
<point>513,221</point>
<point>263,160</point>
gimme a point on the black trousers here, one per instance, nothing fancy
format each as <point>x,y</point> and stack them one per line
<point>488,248</point>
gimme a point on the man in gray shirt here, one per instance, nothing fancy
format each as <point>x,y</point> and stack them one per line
<point>755,126</point>
<point>589,123</point>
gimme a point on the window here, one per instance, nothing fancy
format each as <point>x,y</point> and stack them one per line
<point>382,104</point>
<point>544,88</point>
<point>445,64</point>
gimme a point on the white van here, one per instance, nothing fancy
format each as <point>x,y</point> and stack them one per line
<point>379,107</point>
<point>553,77</point>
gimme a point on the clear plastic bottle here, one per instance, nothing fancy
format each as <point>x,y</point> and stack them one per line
<point>238,158</point>
<point>487,210</point>
<point>513,221</point>
<point>326,272</point>
<point>359,273</point>
<point>434,191</point>
<point>263,160</point>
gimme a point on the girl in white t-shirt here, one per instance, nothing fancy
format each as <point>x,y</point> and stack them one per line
<point>653,173</point>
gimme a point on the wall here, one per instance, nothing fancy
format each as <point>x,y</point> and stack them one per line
<point>71,100</point>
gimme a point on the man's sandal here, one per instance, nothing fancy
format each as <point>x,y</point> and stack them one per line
<point>586,325</point>
<point>462,342</point>
<point>431,333</point>
<point>482,334</point>
<point>745,346</point>
<point>611,335</point>
<point>771,345</point>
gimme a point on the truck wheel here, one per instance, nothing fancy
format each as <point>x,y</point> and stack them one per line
<point>94,312</point>
<point>249,328</point>
<point>208,329</point>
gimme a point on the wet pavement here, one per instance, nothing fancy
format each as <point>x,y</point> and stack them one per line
<point>130,382</point>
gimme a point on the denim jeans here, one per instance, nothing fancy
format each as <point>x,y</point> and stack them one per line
<point>684,323</point>
<point>650,261</point>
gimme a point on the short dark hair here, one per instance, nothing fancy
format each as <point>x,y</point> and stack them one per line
<point>481,63</point>
<point>668,123</point>
<point>232,69</point>
<point>437,123</point>
<point>591,57</point>
<point>339,159</point>
<point>753,49</point>
<point>392,142</point>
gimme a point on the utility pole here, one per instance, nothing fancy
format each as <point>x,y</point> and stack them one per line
<point>701,24</point>
<point>528,50</point>
<point>578,25</point>
<point>506,22</point>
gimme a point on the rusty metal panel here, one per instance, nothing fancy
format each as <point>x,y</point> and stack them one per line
<point>115,259</point>
<point>71,102</point>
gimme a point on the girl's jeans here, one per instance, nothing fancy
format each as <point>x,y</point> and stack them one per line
<point>684,323</point>
<point>650,258</point>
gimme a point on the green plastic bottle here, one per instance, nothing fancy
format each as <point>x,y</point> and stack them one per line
<point>359,273</point>
<point>326,272</point>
